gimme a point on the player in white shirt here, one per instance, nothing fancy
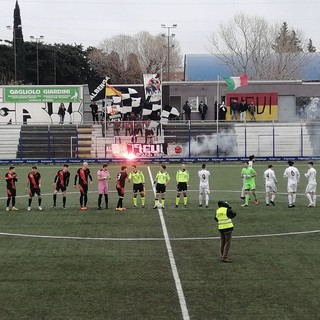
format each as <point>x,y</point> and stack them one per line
<point>250,165</point>
<point>311,188</point>
<point>270,182</point>
<point>204,189</point>
<point>293,176</point>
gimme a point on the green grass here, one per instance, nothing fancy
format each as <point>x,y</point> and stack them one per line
<point>51,278</point>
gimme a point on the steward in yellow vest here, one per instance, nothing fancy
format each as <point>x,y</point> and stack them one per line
<point>224,214</point>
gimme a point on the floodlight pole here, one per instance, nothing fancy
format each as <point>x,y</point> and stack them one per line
<point>169,35</point>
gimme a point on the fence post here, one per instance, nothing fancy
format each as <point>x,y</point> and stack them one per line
<point>301,137</point>
<point>20,144</point>
<point>77,142</point>
<point>189,138</point>
<point>273,140</point>
<point>49,142</point>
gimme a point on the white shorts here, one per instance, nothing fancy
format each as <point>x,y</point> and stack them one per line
<point>311,187</point>
<point>271,188</point>
<point>292,188</point>
<point>204,190</point>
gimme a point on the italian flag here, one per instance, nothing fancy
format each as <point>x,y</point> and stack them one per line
<point>236,82</point>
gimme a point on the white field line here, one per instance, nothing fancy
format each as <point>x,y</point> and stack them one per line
<point>182,300</point>
<point>253,236</point>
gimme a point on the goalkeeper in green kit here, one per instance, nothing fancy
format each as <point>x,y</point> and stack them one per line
<point>249,174</point>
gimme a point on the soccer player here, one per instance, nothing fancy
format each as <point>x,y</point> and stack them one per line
<point>311,175</point>
<point>34,185</point>
<point>249,174</point>
<point>293,176</point>
<point>138,181</point>
<point>182,179</point>
<point>204,188</point>
<point>250,162</point>
<point>83,174</point>
<point>120,184</point>
<point>161,180</point>
<point>270,181</point>
<point>103,176</point>
<point>11,179</point>
<point>61,182</point>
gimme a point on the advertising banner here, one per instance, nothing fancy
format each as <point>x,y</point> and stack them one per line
<point>27,94</point>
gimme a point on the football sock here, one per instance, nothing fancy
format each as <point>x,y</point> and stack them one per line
<point>163,201</point>
<point>273,197</point>
<point>135,200</point>
<point>99,200</point>
<point>85,198</point>
<point>143,200</point>
<point>8,202</point>
<point>247,199</point>
<point>200,198</point>
<point>54,199</point>
<point>81,199</point>
<point>185,200</point>
<point>177,200</point>
<point>13,201</point>
<point>29,202</point>
<point>289,199</point>
<point>309,197</point>
<point>39,201</point>
<point>294,196</point>
<point>106,200</point>
<point>64,200</point>
<point>267,200</point>
<point>207,199</point>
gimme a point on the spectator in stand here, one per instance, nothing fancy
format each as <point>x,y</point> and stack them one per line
<point>94,112</point>
<point>187,110</point>
<point>234,110</point>
<point>116,127</point>
<point>222,111</point>
<point>61,112</point>
<point>243,107</point>
<point>138,126</point>
<point>252,111</point>
<point>203,108</point>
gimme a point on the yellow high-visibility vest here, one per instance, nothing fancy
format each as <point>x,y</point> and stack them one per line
<point>223,221</point>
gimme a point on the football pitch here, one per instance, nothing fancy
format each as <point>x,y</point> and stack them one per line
<point>147,263</point>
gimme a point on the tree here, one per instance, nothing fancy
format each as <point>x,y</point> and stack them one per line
<point>18,42</point>
<point>6,64</point>
<point>311,47</point>
<point>150,52</point>
<point>251,45</point>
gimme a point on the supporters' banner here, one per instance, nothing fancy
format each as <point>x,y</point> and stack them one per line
<point>97,88</point>
<point>266,104</point>
<point>147,150</point>
<point>153,95</point>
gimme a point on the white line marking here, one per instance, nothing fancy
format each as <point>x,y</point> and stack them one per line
<point>21,235</point>
<point>182,300</point>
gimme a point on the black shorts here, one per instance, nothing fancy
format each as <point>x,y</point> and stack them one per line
<point>33,191</point>
<point>182,186</point>
<point>120,192</point>
<point>11,192</point>
<point>60,187</point>
<point>138,187</point>
<point>83,188</point>
<point>160,188</point>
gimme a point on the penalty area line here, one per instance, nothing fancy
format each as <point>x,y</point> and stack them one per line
<point>174,269</point>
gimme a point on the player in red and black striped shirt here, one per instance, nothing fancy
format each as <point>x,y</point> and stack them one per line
<point>11,179</point>
<point>120,183</point>
<point>61,182</point>
<point>83,174</point>
<point>34,185</point>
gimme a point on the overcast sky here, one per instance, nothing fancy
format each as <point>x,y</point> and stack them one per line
<point>89,22</point>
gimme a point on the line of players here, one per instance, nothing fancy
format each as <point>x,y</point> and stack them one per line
<point>292,174</point>
<point>83,178</point>
<point>83,175</point>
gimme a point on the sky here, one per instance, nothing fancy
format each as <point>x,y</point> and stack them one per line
<point>89,22</point>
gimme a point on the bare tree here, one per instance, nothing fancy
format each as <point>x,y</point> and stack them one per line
<point>150,52</point>
<point>249,45</point>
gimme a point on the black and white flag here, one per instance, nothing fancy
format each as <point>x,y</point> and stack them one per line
<point>169,112</point>
<point>97,88</point>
